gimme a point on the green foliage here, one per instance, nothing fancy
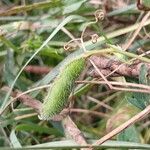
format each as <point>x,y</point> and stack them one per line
<point>30,127</point>
<point>72,5</point>
<point>14,140</point>
<point>130,134</point>
<point>146,3</point>
<point>141,100</point>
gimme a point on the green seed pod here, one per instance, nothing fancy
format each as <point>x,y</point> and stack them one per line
<point>62,87</point>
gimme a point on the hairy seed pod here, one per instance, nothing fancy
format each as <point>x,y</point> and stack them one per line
<point>62,86</point>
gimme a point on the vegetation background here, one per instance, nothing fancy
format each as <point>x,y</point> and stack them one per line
<point>32,39</point>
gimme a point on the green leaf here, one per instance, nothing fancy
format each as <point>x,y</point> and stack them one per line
<point>146,3</point>
<point>137,103</point>
<point>107,144</point>
<point>58,125</point>
<point>37,128</point>
<point>143,74</point>
<point>71,7</point>
<point>141,100</point>
<point>14,140</point>
<point>2,141</point>
<point>9,73</point>
<point>123,10</point>
<point>130,134</point>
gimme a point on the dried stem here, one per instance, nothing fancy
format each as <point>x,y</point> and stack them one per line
<point>128,123</point>
<point>24,8</point>
<point>99,114</point>
<point>137,31</point>
<point>132,70</point>
<point>37,69</point>
<point>146,89</point>
<point>72,130</point>
<point>25,99</point>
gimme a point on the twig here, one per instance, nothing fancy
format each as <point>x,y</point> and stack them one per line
<point>25,99</point>
<point>99,103</point>
<point>70,35</point>
<point>25,116</point>
<point>146,89</point>
<point>143,86</point>
<point>20,9</point>
<point>137,31</point>
<point>99,72</point>
<point>100,114</point>
<point>37,69</point>
<point>117,66</point>
<point>128,123</point>
<point>72,130</point>
<point>109,73</point>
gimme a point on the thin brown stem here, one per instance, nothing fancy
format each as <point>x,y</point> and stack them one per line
<point>100,114</point>
<point>146,89</point>
<point>128,123</point>
<point>137,31</point>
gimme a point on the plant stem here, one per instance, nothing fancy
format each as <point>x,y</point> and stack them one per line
<point>115,50</point>
<point>20,9</point>
<point>8,43</point>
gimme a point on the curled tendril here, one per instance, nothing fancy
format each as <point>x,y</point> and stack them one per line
<point>94,38</point>
<point>141,6</point>
<point>99,15</point>
<point>68,45</point>
<point>2,32</point>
